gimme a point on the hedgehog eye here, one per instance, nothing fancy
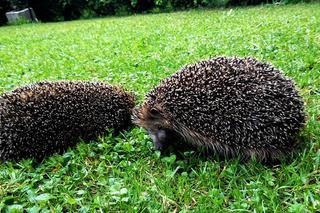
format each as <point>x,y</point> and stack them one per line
<point>155,113</point>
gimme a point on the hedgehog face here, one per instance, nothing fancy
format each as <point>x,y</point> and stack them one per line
<point>158,127</point>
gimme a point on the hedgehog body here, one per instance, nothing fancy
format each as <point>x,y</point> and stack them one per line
<point>233,106</point>
<point>48,117</point>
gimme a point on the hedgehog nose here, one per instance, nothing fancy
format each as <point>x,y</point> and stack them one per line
<point>161,135</point>
<point>158,138</point>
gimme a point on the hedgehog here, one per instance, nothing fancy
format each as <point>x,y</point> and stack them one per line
<point>48,117</point>
<point>229,106</point>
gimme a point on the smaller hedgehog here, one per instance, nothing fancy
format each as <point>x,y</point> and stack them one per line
<point>232,106</point>
<point>48,117</point>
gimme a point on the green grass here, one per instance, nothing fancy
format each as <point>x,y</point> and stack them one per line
<point>124,173</point>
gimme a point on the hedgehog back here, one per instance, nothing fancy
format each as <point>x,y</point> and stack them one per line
<point>48,117</point>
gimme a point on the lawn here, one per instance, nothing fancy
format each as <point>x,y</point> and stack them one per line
<point>124,173</point>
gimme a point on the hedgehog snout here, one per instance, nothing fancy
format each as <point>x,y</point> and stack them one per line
<point>159,138</point>
<point>163,138</point>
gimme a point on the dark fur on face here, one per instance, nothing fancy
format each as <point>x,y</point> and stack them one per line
<point>158,128</point>
<point>163,138</point>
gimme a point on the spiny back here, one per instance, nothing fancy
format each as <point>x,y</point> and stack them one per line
<point>48,117</point>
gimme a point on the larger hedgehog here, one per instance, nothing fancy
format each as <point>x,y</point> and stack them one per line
<point>48,117</point>
<point>233,106</point>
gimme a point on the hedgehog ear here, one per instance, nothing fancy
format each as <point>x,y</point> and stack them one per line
<point>155,113</point>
